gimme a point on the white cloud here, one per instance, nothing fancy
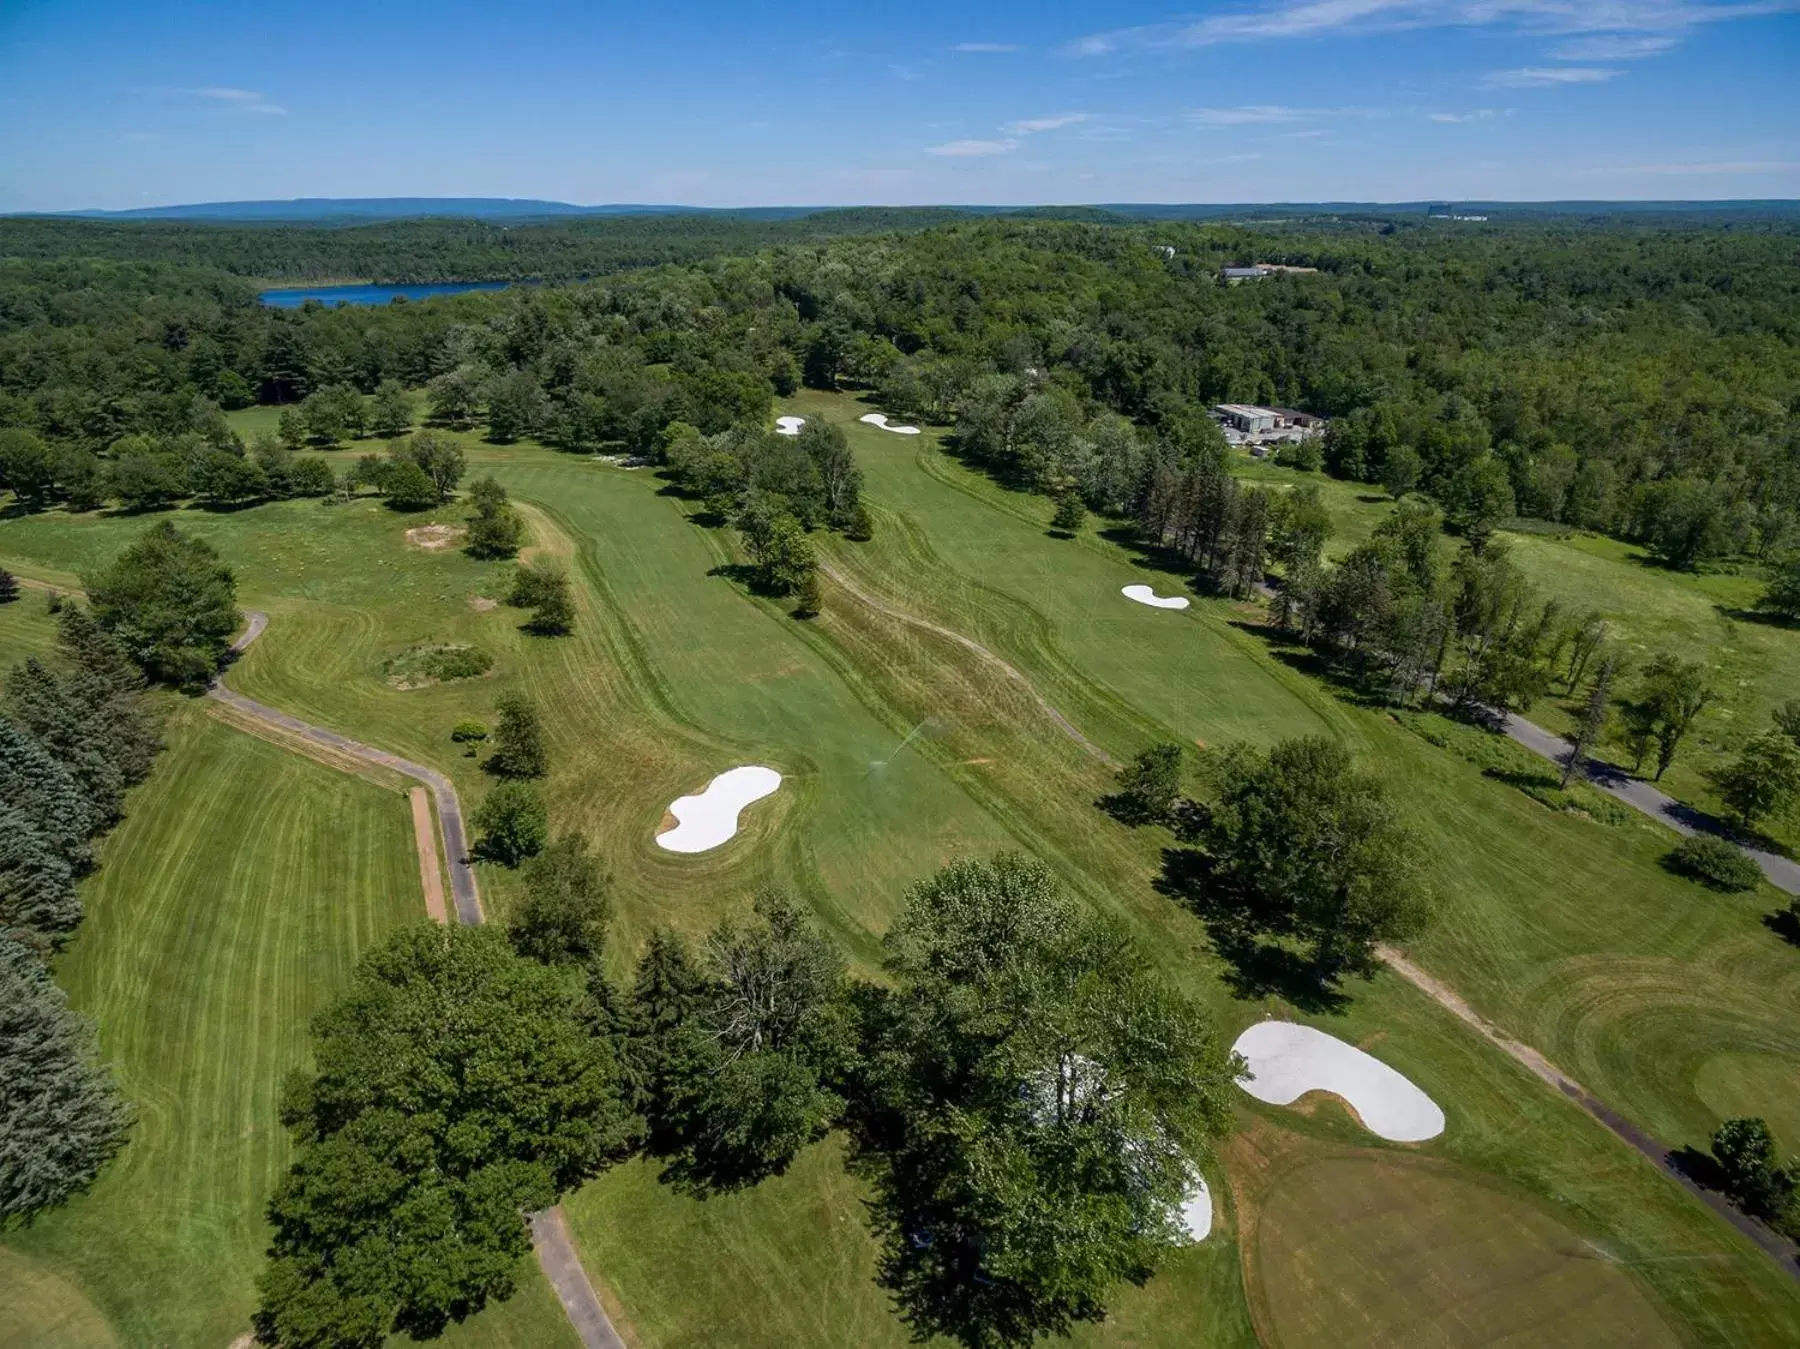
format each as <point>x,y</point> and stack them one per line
<point>974,149</point>
<point>243,100</point>
<point>1260,114</point>
<point>1549,18</point>
<point>1028,125</point>
<point>1545,77</point>
<point>986,48</point>
<point>1478,115</point>
<point>1612,47</point>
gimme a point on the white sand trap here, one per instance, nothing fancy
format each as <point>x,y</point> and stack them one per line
<point>880,419</point>
<point>709,818</point>
<point>1145,595</point>
<point>1196,1211</point>
<point>789,426</point>
<point>1287,1061</point>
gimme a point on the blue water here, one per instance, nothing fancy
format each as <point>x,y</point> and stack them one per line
<point>336,295</point>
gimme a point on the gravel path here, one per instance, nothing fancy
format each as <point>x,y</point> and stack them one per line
<point>550,1237</point>
<point>1783,872</point>
<point>880,606</point>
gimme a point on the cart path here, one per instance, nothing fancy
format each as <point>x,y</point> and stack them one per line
<point>881,606</point>
<point>550,1236</point>
<point>1783,872</point>
<point>1785,1253</point>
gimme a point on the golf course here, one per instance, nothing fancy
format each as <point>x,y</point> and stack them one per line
<point>971,683</point>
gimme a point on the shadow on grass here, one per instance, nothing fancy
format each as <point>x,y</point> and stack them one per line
<point>1784,923</point>
<point>1766,618</point>
<point>1259,964</point>
<point>1699,1167</point>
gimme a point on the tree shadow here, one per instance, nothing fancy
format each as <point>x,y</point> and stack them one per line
<point>1259,964</point>
<point>1128,810</point>
<point>746,575</point>
<point>1698,1167</point>
<point>1767,618</point>
<point>1784,923</point>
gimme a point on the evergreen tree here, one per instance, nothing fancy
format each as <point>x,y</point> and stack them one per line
<point>9,586</point>
<point>37,883</point>
<point>63,724</point>
<point>61,1115</point>
<point>655,1051</point>
<point>35,784</point>
<point>1070,512</point>
<point>810,599</point>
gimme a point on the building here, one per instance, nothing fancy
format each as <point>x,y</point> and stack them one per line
<point>1247,418</point>
<point>1233,275</point>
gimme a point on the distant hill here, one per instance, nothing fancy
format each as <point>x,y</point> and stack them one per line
<point>317,209</point>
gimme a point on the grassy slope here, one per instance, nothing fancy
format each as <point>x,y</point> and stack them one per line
<point>642,707</point>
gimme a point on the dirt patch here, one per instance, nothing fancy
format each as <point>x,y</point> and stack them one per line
<point>668,822</point>
<point>425,837</point>
<point>481,603</point>
<point>435,538</point>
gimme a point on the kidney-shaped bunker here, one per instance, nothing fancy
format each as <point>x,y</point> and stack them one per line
<point>708,818</point>
<point>1287,1061</point>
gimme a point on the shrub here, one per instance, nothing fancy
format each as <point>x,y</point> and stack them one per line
<point>433,663</point>
<point>468,732</point>
<point>1714,862</point>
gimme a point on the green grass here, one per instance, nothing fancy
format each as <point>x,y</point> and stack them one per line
<point>1564,930</point>
<point>228,909</point>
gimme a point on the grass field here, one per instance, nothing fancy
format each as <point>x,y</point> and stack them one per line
<point>228,908</point>
<point>1563,930</point>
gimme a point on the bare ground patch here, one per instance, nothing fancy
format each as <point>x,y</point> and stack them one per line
<point>434,538</point>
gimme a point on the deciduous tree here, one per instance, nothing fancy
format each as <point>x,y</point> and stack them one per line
<point>172,604</point>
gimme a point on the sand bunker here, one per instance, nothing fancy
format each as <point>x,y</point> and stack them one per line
<point>1145,595</point>
<point>706,820</point>
<point>789,426</point>
<point>880,419</point>
<point>1196,1211</point>
<point>1287,1061</point>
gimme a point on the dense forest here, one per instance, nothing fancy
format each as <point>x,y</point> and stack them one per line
<point>1637,381</point>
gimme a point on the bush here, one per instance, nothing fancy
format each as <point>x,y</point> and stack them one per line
<point>1714,862</point>
<point>418,666</point>
<point>468,732</point>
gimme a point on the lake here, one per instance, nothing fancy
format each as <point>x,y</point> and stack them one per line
<point>293,298</point>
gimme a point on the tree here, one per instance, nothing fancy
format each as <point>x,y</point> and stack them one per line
<point>1763,781</point>
<point>1782,597</point>
<point>544,590</point>
<point>1593,720</point>
<point>1787,720</point>
<point>9,586</point>
<point>862,525</point>
<point>407,486</point>
<point>455,1092</point>
<point>496,530</point>
<point>391,411</point>
<point>655,1050</point>
<point>810,599</point>
<point>27,467</point>
<point>513,823</point>
<point>518,740</point>
<point>1070,512</point>
<point>762,1035</point>
<point>439,457</point>
<point>1676,692</point>
<point>1754,1176</point>
<point>1300,843</point>
<point>1031,1107</point>
<point>562,919</point>
<point>61,1115</point>
<point>1149,786</point>
<point>171,603</point>
<point>1400,470</point>
<point>779,549</point>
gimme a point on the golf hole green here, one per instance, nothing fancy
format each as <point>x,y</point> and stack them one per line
<point>1384,1250</point>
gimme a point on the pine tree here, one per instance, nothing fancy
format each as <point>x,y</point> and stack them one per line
<point>63,724</point>
<point>9,586</point>
<point>37,885</point>
<point>42,790</point>
<point>1070,512</point>
<point>61,1115</point>
<point>810,598</point>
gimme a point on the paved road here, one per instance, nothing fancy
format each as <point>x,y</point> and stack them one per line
<point>463,891</point>
<point>1783,1250</point>
<point>1783,872</point>
<point>550,1236</point>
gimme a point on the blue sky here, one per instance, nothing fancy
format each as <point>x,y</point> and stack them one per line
<point>118,103</point>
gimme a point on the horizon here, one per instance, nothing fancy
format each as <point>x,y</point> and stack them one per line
<point>115,106</point>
